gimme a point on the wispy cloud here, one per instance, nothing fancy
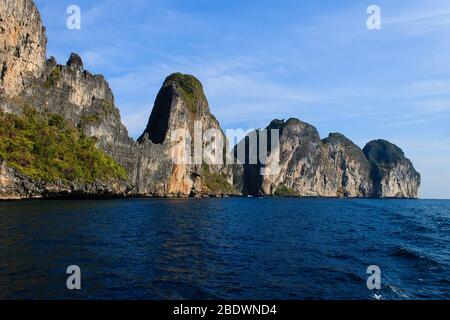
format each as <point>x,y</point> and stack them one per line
<point>436,19</point>
<point>98,12</point>
<point>428,88</point>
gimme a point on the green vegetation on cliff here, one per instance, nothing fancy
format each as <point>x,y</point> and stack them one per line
<point>53,78</point>
<point>190,88</point>
<point>104,109</point>
<point>286,192</point>
<point>50,149</point>
<point>216,183</point>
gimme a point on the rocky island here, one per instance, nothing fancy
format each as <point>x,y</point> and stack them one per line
<point>61,135</point>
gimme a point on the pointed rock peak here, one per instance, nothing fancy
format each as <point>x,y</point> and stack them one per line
<point>52,61</point>
<point>176,86</point>
<point>383,152</point>
<point>75,62</point>
<point>190,89</point>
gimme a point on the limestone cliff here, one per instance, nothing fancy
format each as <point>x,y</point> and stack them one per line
<point>22,45</point>
<point>181,127</point>
<point>177,125</point>
<point>305,165</point>
<point>87,102</point>
<point>348,168</point>
<point>393,174</point>
<point>81,98</point>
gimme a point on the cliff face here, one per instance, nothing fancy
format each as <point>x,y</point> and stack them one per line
<point>393,174</point>
<point>22,45</point>
<point>333,167</point>
<point>82,99</point>
<point>180,153</point>
<point>291,167</point>
<point>177,125</point>
<point>349,169</point>
<point>87,101</point>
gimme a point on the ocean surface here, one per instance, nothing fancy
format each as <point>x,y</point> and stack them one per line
<point>236,248</point>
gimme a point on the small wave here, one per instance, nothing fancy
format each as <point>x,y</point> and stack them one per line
<point>413,255</point>
<point>398,291</point>
<point>340,256</point>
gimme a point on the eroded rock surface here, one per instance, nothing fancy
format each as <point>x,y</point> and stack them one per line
<point>179,120</point>
<point>393,174</point>
<point>22,45</point>
<point>305,165</point>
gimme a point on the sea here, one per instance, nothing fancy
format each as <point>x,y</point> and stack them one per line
<point>228,248</point>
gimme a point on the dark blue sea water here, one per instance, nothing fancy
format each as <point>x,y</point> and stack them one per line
<point>234,248</point>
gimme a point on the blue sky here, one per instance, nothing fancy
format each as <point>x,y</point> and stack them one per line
<point>259,60</point>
